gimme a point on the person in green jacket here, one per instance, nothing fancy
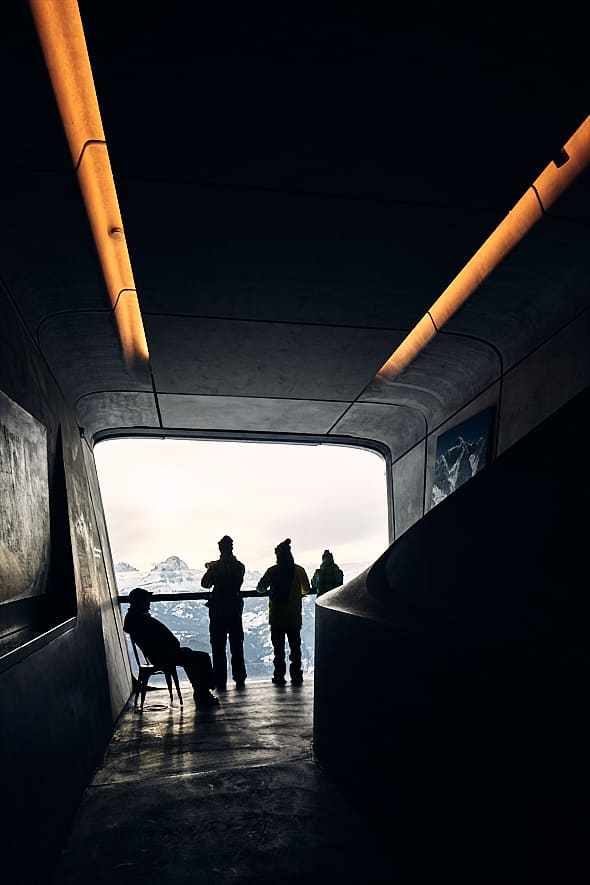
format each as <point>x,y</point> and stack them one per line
<point>328,575</point>
<point>286,583</point>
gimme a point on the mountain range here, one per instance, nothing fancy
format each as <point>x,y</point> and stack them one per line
<point>173,574</point>
<point>189,619</point>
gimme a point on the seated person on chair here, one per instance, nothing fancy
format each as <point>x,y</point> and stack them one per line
<point>163,650</point>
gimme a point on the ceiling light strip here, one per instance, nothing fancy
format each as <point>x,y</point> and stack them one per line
<point>531,207</point>
<point>61,34</point>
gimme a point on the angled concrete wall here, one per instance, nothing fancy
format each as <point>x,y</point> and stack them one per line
<point>520,397</point>
<point>451,678</point>
<point>64,675</point>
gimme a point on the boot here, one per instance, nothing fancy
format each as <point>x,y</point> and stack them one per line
<point>205,699</point>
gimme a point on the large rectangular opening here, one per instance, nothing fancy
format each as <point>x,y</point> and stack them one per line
<point>169,501</point>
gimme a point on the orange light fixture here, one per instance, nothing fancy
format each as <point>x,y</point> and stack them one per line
<point>551,183</point>
<point>61,34</point>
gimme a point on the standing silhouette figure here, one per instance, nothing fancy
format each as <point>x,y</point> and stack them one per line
<point>225,576</point>
<point>327,576</point>
<point>286,583</point>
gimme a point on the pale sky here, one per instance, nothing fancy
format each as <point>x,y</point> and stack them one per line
<point>170,497</point>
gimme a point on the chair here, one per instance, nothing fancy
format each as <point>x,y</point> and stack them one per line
<point>147,669</point>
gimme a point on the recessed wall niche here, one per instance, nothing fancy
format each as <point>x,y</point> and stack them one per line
<point>33,593</point>
<point>24,492</point>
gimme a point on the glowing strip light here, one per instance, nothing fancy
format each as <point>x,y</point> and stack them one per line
<point>550,184</point>
<point>61,34</point>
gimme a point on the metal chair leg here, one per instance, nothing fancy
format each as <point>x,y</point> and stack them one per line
<point>145,671</point>
<point>177,684</point>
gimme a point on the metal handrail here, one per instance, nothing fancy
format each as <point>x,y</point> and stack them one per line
<point>195,594</point>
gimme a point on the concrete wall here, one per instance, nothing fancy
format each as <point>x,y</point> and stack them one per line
<point>64,673</point>
<point>451,678</point>
<point>521,398</point>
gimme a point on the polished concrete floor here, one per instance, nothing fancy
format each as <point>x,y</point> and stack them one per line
<point>227,795</point>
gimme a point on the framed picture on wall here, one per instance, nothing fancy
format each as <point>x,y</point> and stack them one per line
<point>460,453</point>
<point>24,497</point>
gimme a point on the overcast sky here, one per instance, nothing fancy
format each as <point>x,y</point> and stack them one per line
<point>165,497</point>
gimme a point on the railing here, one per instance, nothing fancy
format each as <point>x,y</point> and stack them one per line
<point>196,594</point>
<point>192,626</point>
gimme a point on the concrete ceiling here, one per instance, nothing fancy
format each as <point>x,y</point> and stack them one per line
<point>295,193</point>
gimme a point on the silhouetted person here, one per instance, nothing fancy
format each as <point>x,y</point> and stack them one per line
<point>225,575</point>
<point>286,583</point>
<point>163,649</point>
<point>327,576</point>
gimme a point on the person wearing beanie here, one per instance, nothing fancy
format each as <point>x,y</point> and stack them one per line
<point>162,648</point>
<point>225,576</point>
<point>327,576</point>
<point>286,583</point>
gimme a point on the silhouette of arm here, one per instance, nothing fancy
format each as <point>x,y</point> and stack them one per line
<point>264,582</point>
<point>303,580</point>
<point>208,578</point>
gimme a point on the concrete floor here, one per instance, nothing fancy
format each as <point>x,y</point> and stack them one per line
<point>228,795</point>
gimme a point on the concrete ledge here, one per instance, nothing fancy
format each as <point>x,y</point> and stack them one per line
<point>24,651</point>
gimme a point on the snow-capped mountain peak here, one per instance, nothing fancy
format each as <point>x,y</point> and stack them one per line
<point>169,576</point>
<point>125,567</point>
<point>171,564</point>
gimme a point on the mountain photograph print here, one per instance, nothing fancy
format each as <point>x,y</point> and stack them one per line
<point>460,453</point>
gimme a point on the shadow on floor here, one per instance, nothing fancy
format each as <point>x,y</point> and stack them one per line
<point>228,795</point>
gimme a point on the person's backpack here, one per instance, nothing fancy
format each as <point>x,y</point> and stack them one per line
<point>329,576</point>
<point>334,578</point>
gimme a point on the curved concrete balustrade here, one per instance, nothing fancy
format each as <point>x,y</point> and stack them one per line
<point>450,686</point>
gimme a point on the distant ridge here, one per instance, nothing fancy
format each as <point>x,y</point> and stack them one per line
<point>124,567</point>
<point>172,575</point>
<point>189,618</point>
